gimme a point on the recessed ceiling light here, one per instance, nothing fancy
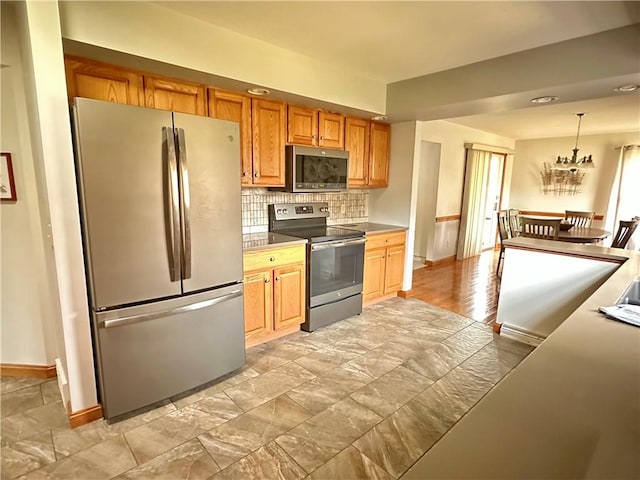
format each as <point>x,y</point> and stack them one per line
<point>258,91</point>
<point>544,99</point>
<point>379,117</point>
<point>626,88</point>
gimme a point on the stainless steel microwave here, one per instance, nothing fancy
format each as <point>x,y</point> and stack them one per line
<point>313,169</point>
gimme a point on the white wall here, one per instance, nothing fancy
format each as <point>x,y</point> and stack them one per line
<point>540,290</point>
<point>396,204</point>
<point>428,172</point>
<point>526,192</point>
<point>152,31</point>
<point>45,86</point>
<point>452,138</point>
<point>28,303</point>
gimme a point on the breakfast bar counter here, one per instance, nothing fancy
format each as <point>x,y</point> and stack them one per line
<point>571,409</point>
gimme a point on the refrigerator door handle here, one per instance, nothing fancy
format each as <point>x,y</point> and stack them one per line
<point>185,205</point>
<point>118,322</point>
<point>173,212</point>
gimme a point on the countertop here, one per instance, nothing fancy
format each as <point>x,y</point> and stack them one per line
<point>260,241</point>
<point>571,409</point>
<point>367,227</point>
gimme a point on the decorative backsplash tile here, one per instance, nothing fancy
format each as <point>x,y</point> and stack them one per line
<point>344,207</point>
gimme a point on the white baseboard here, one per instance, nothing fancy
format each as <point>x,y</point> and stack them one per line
<point>520,335</point>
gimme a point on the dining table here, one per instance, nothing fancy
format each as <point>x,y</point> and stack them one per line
<point>583,235</point>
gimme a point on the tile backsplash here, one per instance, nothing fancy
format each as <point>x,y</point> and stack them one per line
<point>344,207</point>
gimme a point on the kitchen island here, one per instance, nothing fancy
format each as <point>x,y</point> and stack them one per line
<point>571,409</point>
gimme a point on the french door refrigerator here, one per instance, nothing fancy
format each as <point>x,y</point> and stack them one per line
<point>160,203</point>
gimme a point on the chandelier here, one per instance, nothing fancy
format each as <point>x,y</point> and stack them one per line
<point>574,161</point>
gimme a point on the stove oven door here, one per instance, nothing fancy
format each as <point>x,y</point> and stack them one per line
<point>335,270</point>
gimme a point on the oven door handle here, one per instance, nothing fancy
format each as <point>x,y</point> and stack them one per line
<point>335,244</point>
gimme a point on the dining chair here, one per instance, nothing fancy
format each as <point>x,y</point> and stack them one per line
<point>579,219</point>
<point>514,221</point>
<point>504,232</point>
<point>540,228</point>
<point>626,228</point>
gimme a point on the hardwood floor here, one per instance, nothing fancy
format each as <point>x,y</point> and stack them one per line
<point>468,287</point>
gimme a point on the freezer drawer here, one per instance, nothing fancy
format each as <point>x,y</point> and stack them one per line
<point>151,352</point>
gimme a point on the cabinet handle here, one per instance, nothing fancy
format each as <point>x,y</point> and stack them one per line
<point>277,279</point>
<point>267,280</point>
<point>256,174</point>
<point>272,259</point>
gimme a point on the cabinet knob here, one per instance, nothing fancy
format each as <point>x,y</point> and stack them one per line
<point>277,279</point>
<point>313,136</point>
<point>321,137</point>
<point>256,174</point>
<point>272,259</point>
<point>382,256</point>
<point>267,280</point>
<point>245,174</point>
<point>386,241</point>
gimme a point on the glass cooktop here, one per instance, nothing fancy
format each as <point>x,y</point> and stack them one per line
<point>322,233</point>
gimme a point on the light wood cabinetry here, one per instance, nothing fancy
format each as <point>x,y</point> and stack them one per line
<point>174,95</point>
<point>356,142</point>
<point>274,293</point>
<point>102,82</point>
<point>308,126</point>
<point>383,266</point>
<point>368,145</point>
<point>235,107</point>
<point>268,124</point>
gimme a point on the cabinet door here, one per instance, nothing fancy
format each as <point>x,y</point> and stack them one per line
<point>268,125</point>
<point>236,108</point>
<point>374,266</point>
<point>379,155</point>
<point>331,130</point>
<point>288,293</point>
<point>357,144</point>
<point>394,269</point>
<point>302,125</point>
<point>173,95</point>
<point>258,303</point>
<point>102,82</point>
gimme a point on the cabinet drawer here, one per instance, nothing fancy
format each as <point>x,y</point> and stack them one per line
<point>273,257</point>
<point>380,240</point>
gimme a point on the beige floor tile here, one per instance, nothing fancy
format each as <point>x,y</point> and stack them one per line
<point>392,390</point>
<point>51,391</point>
<point>10,384</point>
<point>315,441</point>
<point>435,362</point>
<point>471,339</point>
<point>34,421</point>
<point>20,400</point>
<point>27,455</point>
<point>237,438</point>
<point>322,361</point>
<point>189,461</point>
<point>350,464</point>
<point>268,462</point>
<point>194,395</point>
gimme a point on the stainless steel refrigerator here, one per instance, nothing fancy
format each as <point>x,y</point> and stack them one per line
<point>160,203</point>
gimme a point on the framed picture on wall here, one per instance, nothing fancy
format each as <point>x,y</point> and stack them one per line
<point>7,183</point>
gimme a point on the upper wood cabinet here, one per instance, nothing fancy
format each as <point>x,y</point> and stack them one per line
<point>356,142</point>
<point>235,107</point>
<point>379,145</point>
<point>268,125</point>
<point>308,126</point>
<point>102,82</point>
<point>174,95</point>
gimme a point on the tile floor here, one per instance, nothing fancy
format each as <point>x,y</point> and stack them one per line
<point>362,398</point>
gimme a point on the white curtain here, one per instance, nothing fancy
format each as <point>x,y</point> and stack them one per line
<point>473,203</point>
<point>624,200</point>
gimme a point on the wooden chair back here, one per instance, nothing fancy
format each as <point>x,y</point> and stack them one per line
<point>579,219</point>
<point>503,225</point>
<point>540,228</point>
<point>514,222</point>
<point>626,228</point>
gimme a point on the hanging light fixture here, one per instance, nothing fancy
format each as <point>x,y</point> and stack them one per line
<point>574,161</point>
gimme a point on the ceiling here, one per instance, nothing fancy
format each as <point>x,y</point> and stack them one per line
<point>396,41</point>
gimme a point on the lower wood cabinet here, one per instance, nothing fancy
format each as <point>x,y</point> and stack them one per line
<point>383,265</point>
<point>274,293</point>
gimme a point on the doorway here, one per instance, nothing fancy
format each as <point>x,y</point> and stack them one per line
<point>481,199</point>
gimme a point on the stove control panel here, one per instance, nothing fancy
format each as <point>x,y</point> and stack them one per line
<point>295,211</point>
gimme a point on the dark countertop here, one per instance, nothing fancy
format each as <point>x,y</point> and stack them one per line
<point>260,241</point>
<point>367,227</point>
